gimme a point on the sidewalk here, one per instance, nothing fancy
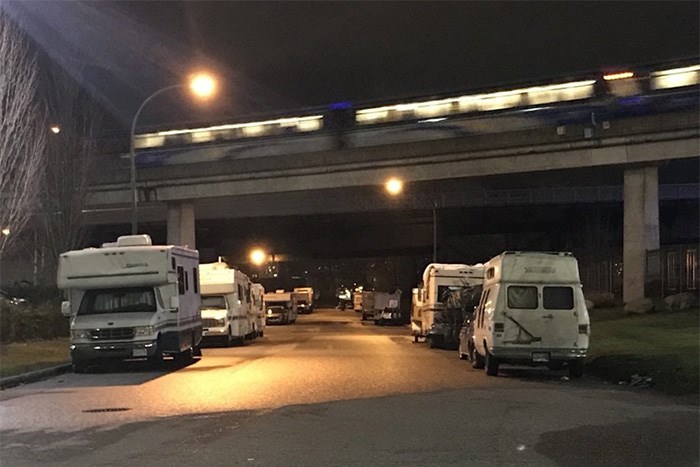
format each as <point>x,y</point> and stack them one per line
<point>36,375</point>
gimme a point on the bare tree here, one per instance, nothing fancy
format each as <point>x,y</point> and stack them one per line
<point>22,133</point>
<point>69,152</point>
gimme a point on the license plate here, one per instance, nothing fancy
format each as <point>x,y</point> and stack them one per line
<point>140,353</point>
<point>540,357</point>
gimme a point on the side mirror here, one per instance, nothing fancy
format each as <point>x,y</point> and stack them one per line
<point>65,309</point>
<point>174,304</point>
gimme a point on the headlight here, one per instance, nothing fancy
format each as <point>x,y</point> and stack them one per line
<point>80,334</point>
<point>142,331</point>
<point>269,312</point>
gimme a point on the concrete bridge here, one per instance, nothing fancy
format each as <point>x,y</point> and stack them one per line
<point>338,180</point>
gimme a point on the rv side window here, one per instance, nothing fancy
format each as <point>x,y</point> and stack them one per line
<point>522,297</point>
<point>195,280</point>
<point>187,281</point>
<point>240,293</point>
<point>181,280</point>
<point>558,298</point>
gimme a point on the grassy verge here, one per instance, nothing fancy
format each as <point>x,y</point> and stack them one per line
<point>663,346</point>
<point>20,357</point>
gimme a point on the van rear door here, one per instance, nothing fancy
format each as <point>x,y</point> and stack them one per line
<point>522,323</point>
<point>560,328</point>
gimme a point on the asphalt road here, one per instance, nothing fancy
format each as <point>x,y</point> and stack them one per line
<point>330,390</point>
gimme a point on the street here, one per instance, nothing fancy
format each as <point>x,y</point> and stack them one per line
<point>332,390</point>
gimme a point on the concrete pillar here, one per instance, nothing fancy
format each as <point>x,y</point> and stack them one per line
<point>641,229</point>
<point>181,224</point>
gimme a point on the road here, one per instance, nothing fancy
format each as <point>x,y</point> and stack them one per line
<point>330,390</point>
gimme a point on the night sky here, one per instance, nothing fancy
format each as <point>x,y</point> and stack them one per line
<point>274,57</point>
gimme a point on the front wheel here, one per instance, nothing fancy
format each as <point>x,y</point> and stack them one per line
<point>156,360</point>
<point>476,358</point>
<point>576,368</point>
<point>80,366</point>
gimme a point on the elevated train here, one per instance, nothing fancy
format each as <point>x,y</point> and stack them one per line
<point>590,99</point>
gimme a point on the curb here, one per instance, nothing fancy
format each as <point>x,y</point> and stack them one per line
<point>33,376</point>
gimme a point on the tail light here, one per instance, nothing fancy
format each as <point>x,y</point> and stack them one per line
<point>583,329</point>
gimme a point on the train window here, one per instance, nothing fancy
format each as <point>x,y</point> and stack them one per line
<point>691,269</point>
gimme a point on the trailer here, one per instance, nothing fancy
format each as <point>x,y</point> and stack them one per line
<point>131,299</point>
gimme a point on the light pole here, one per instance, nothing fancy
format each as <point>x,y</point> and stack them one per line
<point>202,86</point>
<point>394,186</point>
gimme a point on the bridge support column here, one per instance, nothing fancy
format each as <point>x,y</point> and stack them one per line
<point>641,229</point>
<point>181,224</point>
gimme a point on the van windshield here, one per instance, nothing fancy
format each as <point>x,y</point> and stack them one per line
<point>125,300</point>
<point>463,298</point>
<point>214,302</point>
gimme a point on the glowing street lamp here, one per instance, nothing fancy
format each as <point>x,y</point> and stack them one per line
<point>6,231</point>
<point>201,85</point>
<point>258,256</point>
<point>394,186</point>
<point>55,129</point>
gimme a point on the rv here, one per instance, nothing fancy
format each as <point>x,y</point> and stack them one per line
<point>280,307</point>
<point>448,293</point>
<point>305,299</point>
<point>386,308</point>
<point>227,312</point>
<point>257,294</point>
<point>532,312</point>
<point>131,299</point>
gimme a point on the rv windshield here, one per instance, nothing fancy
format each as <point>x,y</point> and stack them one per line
<point>214,302</point>
<point>126,300</point>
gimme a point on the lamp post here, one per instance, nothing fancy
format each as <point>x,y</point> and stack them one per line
<point>202,86</point>
<point>394,186</point>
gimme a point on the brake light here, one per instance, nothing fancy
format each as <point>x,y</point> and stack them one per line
<point>583,329</point>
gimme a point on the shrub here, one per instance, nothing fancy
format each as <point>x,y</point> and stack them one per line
<point>27,322</point>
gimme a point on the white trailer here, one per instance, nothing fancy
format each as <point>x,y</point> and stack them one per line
<point>280,307</point>
<point>227,312</point>
<point>387,307</point>
<point>131,299</point>
<point>532,312</point>
<point>305,299</point>
<point>440,304</point>
<point>257,294</point>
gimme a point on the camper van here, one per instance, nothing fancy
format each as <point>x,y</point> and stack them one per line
<point>305,299</point>
<point>280,307</point>
<point>131,299</point>
<point>227,312</point>
<point>257,295</point>
<point>448,293</point>
<point>531,312</point>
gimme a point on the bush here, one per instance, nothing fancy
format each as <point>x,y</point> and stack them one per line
<point>27,322</point>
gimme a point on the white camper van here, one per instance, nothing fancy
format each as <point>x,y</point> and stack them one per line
<point>227,312</point>
<point>448,293</point>
<point>131,299</point>
<point>280,307</point>
<point>532,312</point>
<point>257,294</point>
<point>305,299</point>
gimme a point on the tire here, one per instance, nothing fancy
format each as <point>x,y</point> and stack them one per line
<point>415,338</point>
<point>156,360</point>
<point>463,356</point>
<point>229,338</point>
<point>491,364</point>
<point>431,342</point>
<point>262,333</point>
<point>576,368</point>
<point>185,357</point>
<point>476,358</point>
<point>81,366</point>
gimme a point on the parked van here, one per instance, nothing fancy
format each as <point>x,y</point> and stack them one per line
<point>131,299</point>
<point>531,312</point>
<point>227,312</point>
<point>257,294</point>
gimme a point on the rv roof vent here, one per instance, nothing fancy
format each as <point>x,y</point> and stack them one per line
<point>134,240</point>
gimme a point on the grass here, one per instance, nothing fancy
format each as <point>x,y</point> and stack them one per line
<point>21,357</point>
<point>663,346</point>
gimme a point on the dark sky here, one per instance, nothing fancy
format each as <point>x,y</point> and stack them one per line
<point>274,57</point>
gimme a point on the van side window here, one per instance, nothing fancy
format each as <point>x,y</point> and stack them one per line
<point>558,298</point>
<point>485,299</point>
<point>181,280</point>
<point>195,280</point>
<point>522,297</point>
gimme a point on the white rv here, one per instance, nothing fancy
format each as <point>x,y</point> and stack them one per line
<point>227,312</point>
<point>131,299</point>
<point>280,307</point>
<point>532,312</point>
<point>257,295</point>
<point>448,293</point>
<point>305,299</point>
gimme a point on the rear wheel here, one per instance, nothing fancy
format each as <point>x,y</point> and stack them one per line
<point>491,364</point>
<point>576,368</point>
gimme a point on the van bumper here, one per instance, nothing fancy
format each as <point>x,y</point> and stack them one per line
<point>113,350</point>
<point>537,356</point>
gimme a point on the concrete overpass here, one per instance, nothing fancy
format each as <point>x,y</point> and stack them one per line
<point>322,181</point>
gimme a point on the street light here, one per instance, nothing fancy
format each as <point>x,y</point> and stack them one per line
<point>201,85</point>
<point>394,186</point>
<point>258,256</point>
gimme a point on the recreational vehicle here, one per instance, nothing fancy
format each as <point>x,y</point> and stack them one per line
<point>227,312</point>
<point>131,299</point>
<point>532,312</point>
<point>280,307</point>
<point>448,293</point>
<point>305,299</point>
<point>387,308</point>
<point>257,294</point>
